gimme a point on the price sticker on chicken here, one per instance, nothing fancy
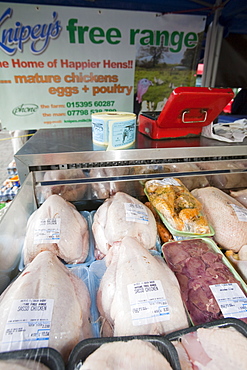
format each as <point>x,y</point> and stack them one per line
<point>231,299</point>
<point>28,324</point>
<point>148,302</point>
<point>47,230</point>
<point>136,213</point>
<point>241,212</point>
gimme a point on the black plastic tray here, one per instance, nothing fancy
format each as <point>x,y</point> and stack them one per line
<point>83,349</point>
<point>47,356</point>
<point>236,323</point>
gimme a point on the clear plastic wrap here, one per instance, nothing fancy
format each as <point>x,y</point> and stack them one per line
<point>180,211</point>
<point>227,216</point>
<point>122,215</point>
<point>45,306</point>
<point>85,348</point>
<point>57,226</point>
<point>217,345</point>
<point>211,289</point>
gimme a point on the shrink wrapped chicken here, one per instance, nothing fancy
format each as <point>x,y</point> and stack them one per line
<point>103,190</point>
<point>70,192</point>
<point>119,216</point>
<point>228,180</point>
<point>216,347</point>
<point>138,294</point>
<point>203,276</point>
<point>191,182</point>
<point>240,196</point>
<point>50,297</point>
<point>227,216</point>
<point>125,355</point>
<point>57,226</point>
<point>177,205</point>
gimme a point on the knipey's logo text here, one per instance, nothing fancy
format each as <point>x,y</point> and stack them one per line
<point>25,109</point>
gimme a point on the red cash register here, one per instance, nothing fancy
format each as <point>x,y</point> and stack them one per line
<point>186,111</point>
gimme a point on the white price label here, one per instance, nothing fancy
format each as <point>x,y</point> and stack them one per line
<point>47,230</point>
<point>148,302</point>
<point>241,212</point>
<point>136,213</point>
<point>231,299</point>
<point>170,181</point>
<point>28,324</point>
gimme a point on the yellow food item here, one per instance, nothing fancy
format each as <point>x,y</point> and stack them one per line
<point>180,208</point>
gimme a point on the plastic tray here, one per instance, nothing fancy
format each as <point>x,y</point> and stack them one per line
<point>82,271</point>
<point>236,323</point>
<point>83,349</point>
<point>215,248</point>
<point>176,232</point>
<point>90,257</point>
<point>47,356</point>
<point>157,243</point>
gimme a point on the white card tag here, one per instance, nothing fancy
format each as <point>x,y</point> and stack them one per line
<point>28,324</point>
<point>241,212</point>
<point>148,302</point>
<point>231,299</point>
<point>47,230</point>
<point>136,213</point>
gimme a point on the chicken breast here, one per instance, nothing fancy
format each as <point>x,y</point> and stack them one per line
<point>122,215</point>
<point>57,226</point>
<point>216,348</point>
<point>224,214</point>
<point>46,278</point>
<point>138,293</point>
<point>134,354</point>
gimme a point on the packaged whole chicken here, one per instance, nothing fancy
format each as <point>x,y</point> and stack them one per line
<point>46,306</point>
<point>221,346</point>
<point>103,190</point>
<point>57,226</point>
<point>69,192</point>
<point>119,216</point>
<point>191,182</point>
<point>179,209</point>
<point>225,180</point>
<point>210,289</point>
<point>125,355</point>
<point>227,216</point>
<point>33,359</point>
<point>138,293</point>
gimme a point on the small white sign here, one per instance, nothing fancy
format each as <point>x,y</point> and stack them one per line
<point>148,302</point>
<point>231,299</point>
<point>28,324</point>
<point>241,212</point>
<point>47,230</point>
<point>136,213</point>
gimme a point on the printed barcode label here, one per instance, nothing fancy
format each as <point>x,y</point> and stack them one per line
<point>148,302</point>
<point>47,230</point>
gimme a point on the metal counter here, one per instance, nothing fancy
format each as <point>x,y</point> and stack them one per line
<point>54,149</point>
